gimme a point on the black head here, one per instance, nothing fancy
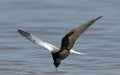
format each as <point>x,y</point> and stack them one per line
<point>57,63</point>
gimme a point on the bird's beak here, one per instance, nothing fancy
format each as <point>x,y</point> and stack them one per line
<point>56,69</point>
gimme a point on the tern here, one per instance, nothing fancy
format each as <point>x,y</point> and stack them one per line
<point>67,42</point>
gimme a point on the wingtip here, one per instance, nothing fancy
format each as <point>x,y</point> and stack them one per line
<point>93,20</point>
<point>23,33</point>
<point>100,17</point>
<point>97,18</point>
<point>19,30</point>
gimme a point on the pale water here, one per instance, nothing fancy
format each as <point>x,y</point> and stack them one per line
<point>50,20</point>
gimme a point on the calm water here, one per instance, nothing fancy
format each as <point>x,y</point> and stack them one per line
<point>50,20</point>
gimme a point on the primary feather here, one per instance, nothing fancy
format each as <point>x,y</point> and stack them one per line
<point>36,40</point>
<point>69,39</point>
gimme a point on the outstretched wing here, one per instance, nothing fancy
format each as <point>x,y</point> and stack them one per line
<point>69,39</point>
<point>50,47</point>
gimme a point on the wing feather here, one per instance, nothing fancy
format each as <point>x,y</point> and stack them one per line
<point>69,39</point>
<point>34,39</point>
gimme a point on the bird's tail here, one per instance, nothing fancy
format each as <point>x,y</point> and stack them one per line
<point>75,52</point>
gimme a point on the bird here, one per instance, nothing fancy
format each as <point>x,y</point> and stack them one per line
<point>67,42</point>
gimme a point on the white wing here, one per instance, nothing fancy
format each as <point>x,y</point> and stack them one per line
<point>50,47</point>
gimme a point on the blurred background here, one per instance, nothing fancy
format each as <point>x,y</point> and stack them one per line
<point>50,20</point>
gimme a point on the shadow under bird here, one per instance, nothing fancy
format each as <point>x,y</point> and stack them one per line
<point>67,42</point>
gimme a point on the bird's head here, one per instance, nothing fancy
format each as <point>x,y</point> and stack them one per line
<point>57,62</point>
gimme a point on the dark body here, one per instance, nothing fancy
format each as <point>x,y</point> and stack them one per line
<point>58,56</point>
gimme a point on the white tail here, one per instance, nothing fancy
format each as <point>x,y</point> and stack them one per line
<point>75,52</point>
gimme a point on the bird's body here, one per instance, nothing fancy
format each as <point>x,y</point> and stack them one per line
<point>67,43</point>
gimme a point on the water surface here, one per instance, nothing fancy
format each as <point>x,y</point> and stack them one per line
<point>50,20</point>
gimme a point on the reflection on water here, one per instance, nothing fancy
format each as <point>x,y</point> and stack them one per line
<point>51,20</point>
